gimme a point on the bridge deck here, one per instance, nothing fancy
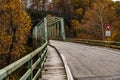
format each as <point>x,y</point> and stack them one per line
<point>90,62</point>
<point>54,68</point>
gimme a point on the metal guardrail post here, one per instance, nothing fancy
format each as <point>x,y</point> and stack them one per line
<point>110,44</point>
<point>30,63</point>
<point>39,65</point>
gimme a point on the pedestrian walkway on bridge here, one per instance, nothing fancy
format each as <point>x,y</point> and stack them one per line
<point>54,67</point>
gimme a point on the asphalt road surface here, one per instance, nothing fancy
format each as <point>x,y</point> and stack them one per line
<point>90,62</point>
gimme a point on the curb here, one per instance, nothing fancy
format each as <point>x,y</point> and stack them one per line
<point>67,69</point>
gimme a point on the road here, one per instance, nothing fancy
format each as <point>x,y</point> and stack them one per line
<point>90,62</point>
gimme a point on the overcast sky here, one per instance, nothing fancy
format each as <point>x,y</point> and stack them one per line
<point>116,0</point>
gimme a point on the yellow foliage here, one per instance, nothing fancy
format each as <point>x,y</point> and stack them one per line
<point>75,24</point>
<point>49,15</point>
<point>15,26</point>
<point>79,12</point>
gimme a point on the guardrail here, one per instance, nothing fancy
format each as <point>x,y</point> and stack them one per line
<point>32,65</point>
<point>110,44</point>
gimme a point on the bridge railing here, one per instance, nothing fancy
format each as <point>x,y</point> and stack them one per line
<point>35,59</point>
<point>110,44</point>
<point>49,28</point>
<point>32,65</point>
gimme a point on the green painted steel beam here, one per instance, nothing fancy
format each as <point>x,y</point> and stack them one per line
<point>43,30</point>
<point>14,66</point>
<point>49,24</point>
<point>45,26</point>
<point>62,29</point>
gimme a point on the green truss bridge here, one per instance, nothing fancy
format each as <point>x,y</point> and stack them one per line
<point>59,58</point>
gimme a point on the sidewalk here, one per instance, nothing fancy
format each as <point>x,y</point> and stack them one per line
<point>54,68</point>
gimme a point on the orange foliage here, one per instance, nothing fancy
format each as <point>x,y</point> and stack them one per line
<point>15,26</point>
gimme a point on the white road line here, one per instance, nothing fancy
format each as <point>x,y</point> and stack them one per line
<point>69,74</point>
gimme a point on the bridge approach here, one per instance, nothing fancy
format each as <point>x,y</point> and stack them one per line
<point>86,62</point>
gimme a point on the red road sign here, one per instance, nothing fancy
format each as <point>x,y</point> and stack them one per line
<point>108,26</point>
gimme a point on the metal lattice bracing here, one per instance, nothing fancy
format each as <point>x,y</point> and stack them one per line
<point>49,28</point>
<point>56,28</point>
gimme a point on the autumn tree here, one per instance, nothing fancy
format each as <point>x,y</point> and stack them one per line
<point>15,27</point>
<point>80,7</point>
<point>117,8</point>
<point>63,8</point>
<point>100,14</point>
<point>93,15</point>
<point>39,4</point>
<point>116,23</point>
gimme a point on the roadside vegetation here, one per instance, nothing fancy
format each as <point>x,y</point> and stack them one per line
<point>84,19</point>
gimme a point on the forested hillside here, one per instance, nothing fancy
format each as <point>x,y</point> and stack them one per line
<point>15,27</point>
<point>84,19</point>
